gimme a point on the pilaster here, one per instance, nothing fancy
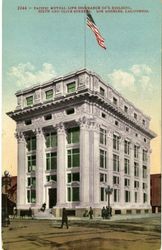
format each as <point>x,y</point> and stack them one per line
<point>122,173</point>
<point>140,178</point>
<point>132,195</point>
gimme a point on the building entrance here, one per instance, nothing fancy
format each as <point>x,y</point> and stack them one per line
<point>52,194</point>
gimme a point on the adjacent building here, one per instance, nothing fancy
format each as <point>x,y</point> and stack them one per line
<point>155,192</point>
<point>76,135</point>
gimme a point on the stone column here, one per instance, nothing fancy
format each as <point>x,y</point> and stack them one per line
<point>21,171</point>
<point>140,178</point>
<point>110,163</point>
<point>148,178</point>
<point>122,173</point>
<point>40,196</point>
<point>61,165</point>
<point>84,162</point>
<point>132,174</point>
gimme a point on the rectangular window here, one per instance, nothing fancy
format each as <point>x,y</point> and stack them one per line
<point>126,166</point>
<point>31,143</point>
<point>73,194</point>
<point>144,155</point>
<point>126,147</point>
<point>31,163</point>
<point>51,178</point>
<point>144,122</point>
<point>116,195</point>
<point>102,190</point>
<point>135,116</point>
<point>115,142</point>
<point>127,196</point>
<point>103,177</point>
<point>136,184</point>
<point>116,180</point>
<point>144,197</point>
<point>102,91</point>
<point>115,163</point>
<point>71,87</point>
<point>135,197</point>
<point>51,140</point>
<point>51,161</point>
<point>126,182</point>
<point>144,185</point>
<point>49,94</point>
<point>70,111</point>
<point>73,158</point>
<point>31,196</point>
<point>136,169</point>
<point>73,135</point>
<point>136,151</point>
<point>31,181</point>
<point>103,136</point>
<point>125,109</point>
<point>29,101</point>
<point>71,177</point>
<point>48,117</point>
<point>115,101</point>
<point>103,159</point>
<point>28,122</point>
<point>144,171</point>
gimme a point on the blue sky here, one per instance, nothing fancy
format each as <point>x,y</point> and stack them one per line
<point>38,46</point>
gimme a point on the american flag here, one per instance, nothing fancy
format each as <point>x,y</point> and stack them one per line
<point>91,24</point>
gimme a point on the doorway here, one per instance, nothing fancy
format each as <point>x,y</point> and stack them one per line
<point>52,194</point>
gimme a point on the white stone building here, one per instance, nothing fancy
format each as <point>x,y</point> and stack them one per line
<point>75,136</point>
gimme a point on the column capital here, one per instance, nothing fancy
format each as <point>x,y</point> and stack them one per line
<point>84,122</point>
<point>60,127</point>
<point>19,136</point>
<point>38,131</point>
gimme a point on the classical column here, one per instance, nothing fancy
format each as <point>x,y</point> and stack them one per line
<point>148,178</point>
<point>21,170</point>
<point>131,165</point>
<point>140,178</point>
<point>61,165</point>
<point>84,162</point>
<point>110,163</point>
<point>122,173</point>
<point>40,152</point>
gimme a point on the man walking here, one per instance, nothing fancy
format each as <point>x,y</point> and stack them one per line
<point>64,218</point>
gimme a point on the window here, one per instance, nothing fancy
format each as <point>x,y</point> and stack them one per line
<point>51,161</point>
<point>127,196</point>
<point>70,111</point>
<point>73,158</point>
<point>135,116</point>
<point>144,197</point>
<point>136,184</point>
<point>48,117</point>
<point>144,155</point>
<point>144,185</point>
<point>71,87</point>
<point>125,109</point>
<point>135,197</point>
<point>126,182</point>
<point>49,94</point>
<point>51,140</point>
<point>51,178</point>
<point>126,147</point>
<point>102,91</point>
<point>136,169</point>
<point>103,115</point>
<point>127,129</point>
<point>115,163</point>
<point>103,159</point>
<point>73,194</point>
<point>29,101</point>
<point>144,122</point>
<point>115,142</point>
<point>115,101</point>
<point>126,166</point>
<point>116,195</point>
<point>31,181</point>
<point>144,171</point>
<point>73,177</point>
<point>103,177</point>
<point>31,143</point>
<point>144,139</point>
<point>136,151</point>
<point>31,196</point>
<point>103,196</point>
<point>136,135</point>
<point>31,163</point>
<point>73,135</point>
<point>116,123</point>
<point>28,122</point>
<point>116,180</point>
<point>103,136</point>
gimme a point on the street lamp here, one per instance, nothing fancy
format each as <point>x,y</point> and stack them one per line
<point>6,181</point>
<point>108,191</point>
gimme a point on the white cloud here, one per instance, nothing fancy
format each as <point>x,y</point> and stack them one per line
<point>25,74</point>
<point>138,69</point>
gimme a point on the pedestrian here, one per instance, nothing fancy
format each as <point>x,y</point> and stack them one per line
<point>43,208</point>
<point>64,218</point>
<point>14,212</point>
<point>91,213</point>
<point>103,213</point>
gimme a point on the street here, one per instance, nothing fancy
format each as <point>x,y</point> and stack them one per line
<point>133,234</point>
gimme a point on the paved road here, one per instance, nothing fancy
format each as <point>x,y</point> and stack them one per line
<point>132,234</point>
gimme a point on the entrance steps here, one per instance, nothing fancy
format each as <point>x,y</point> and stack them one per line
<point>44,215</point>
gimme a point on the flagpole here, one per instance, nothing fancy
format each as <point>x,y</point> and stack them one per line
<point>85,39</point>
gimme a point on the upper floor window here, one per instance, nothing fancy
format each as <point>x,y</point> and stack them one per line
<point>31,181</point>
<point>71,87</point>
<point>126,147</point>
<point>51,140</point>
<point>51,161</point>
<point>126,182</point>
<point>125,109</point>
<point>115,163</point>
<point>136,169</point>
<point>144,155</point>
<point>103,115</point>
<point>115,142</point>
<point>49,94</point>
<point>103,159</point>
<point>51,178</point>
<point>71,177</point>
<point>31,143</point>
<point>103,136</point>
<point>127,196</point>
<point>144,171</point>
<point>48,117</point>
<point>31,163</point>
<point>73,158</point>
<point>135,116</point>
<point>29,100</point>
<point>73,135</point>
<point>28,122</point>
<point>116,123</point>
<point>103,177</point>
<point>126,166</point>
<point>136,151</point>
<point>102,91</point>
<point>116,180</point>
<point>70,111</point>
<point>143,122</point>
<point>115,101</point>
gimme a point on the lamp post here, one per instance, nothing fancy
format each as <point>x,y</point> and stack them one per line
<point>108,191</point>
<point>6,181</point>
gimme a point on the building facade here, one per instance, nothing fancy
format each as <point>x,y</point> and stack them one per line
<point>76,135</point>
<point>155,192</point>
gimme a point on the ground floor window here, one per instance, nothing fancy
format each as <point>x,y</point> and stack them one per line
<point>135,197</point>
<point>116,195</point>
<point>73,194</point>
<point>31,196</point>
<point>103,195</point>
<point>144,197</point>
<point>127,196</point>
<point>31,181</point>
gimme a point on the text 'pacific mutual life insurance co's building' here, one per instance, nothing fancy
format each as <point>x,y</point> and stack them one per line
<point>75,136</point>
